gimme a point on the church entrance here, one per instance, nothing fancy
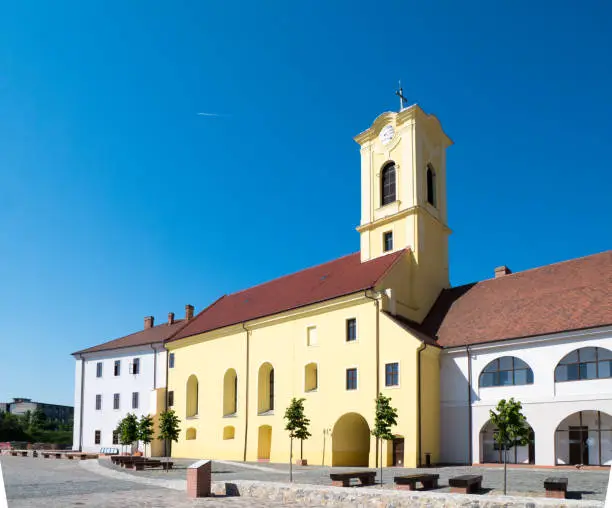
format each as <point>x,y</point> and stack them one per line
<point>398,452</point>
<point>351,441</point>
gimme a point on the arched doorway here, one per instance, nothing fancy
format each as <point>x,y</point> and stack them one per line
<point>264,443</point>
<point>351,441</point>
<point>265,388</point>
<point>584,437</point>
<point>491,453</point>
<point>191,403</point>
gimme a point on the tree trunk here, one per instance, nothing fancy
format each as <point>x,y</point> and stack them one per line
<point>291,459</point>
<point>381,463</point>
<point>301,449</point>
<point>505,468</point>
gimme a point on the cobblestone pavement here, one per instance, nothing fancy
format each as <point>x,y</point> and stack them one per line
<point>62,484</point>
<point>582,484</point>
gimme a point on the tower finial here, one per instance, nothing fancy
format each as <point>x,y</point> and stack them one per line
<point>400,93</point>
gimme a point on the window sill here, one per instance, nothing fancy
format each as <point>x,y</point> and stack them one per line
<point>314,390</point>
<point>353,341</point>
<point>395,203</point>
<point>192,417</point>
<point>231,415</point>
<point>269,412</point>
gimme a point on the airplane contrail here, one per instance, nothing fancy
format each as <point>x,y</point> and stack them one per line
<point>211,114</point>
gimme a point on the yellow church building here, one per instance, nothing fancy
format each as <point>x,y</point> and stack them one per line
<point>336,334</point>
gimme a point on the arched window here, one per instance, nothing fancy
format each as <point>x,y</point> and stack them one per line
<point>506,371</point>
<point>265,385</point>
<point>585,363</point>
<point>192,396</point>
<point>230,392</point>
<point>191,434</point>
<point>229,432</point>
<point>311,381</point>
<point>431,185</point>
<point>387,184</point>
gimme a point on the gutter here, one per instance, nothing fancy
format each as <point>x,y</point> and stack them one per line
<point>376,303</point>
<point>246,397</point>
<point>422,348</point>
<point>469,387</point>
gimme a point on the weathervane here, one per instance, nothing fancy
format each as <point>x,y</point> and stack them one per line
<point>400,93</point>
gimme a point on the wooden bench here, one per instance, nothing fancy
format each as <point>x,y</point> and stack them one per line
<point>344,479</point>
<point>556,487</point>
<point>14,453</point>
<point>57,455</point>
<point>130,461</point>
<point>466,484</point>
<point>46,455</point>
<point>428,481</point>
<point>141,464</point>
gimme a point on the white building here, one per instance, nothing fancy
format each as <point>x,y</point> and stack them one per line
<point>125,375</point>
<point>542,336</point>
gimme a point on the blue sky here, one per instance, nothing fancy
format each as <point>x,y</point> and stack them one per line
<point>119,201</point>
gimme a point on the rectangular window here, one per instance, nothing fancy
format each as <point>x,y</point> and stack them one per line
<point>97,437</point>
<point>136,366</point>
<point>387,241</point>
<point>115,437</point>
<point>311,335</point>
<point>351,329</point>
<point>351,379</point>
<point>134,400</point>
<point>117,367</point>
<point>392,374</point>
<point>170,398</point>
<point>116,401</point>
<point>98,402</point>
<point>171,361</point>
<point>99,369</point>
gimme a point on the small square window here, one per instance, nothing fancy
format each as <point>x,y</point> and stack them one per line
<point>351,379</point>
<point>116,401</point>
<point>311,336</point>
<point>171,361</point>
<point>170,398</point>
<point>98,402</point>
<point>97,434</point>
<point>388,241</point>
<point>135,400</point>
<point>392,374</point>
<point>117,367</point>
<point>99,369</point>
<point>351,329</point>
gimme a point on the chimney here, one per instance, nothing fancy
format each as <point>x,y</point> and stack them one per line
<point>170,318</point>
<point>500,271</point>
<point>188,312</point>
<point>149,322</point>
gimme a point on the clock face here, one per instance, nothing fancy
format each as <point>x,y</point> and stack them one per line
<point>386,134</point>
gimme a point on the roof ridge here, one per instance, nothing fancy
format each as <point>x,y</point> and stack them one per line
<point>189,321</point>
<point>292,273</point>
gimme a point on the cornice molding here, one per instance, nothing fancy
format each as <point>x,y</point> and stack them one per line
<point>414,210</point>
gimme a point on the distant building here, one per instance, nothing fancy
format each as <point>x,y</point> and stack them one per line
<point>20,406</point>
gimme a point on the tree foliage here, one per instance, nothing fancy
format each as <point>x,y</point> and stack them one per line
<point>145,430</point>
<point>127,429</point>
<point>169,428</point>
<point>297,425</point>
<point>511,427</point>
<point>385,417</point>
<point>34,427</point>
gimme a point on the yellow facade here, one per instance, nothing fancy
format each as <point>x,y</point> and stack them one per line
<point>232,385</point>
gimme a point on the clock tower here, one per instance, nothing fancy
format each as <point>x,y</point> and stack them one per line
<point>403,197</point>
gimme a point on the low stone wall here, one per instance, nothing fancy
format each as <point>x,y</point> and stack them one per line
<point>377,497</point>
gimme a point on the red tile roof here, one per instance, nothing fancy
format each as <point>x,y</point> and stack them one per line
<point>565,296</point>
<point>152,335</point>
<point>336,278</point>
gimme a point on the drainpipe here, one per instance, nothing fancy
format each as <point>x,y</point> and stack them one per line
<point>376,304</point>
<point>469,387</point>
<point>246,394</point>
<point>154,366</point>
<point>81,409</point>
<point>166,396</point>
<point>422,348</point>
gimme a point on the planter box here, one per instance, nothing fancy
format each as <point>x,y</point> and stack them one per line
<point>301,462</point>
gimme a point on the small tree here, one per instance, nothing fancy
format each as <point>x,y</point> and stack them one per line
<point>512,428</point>
<point>145,430</point>
<point>385,417</point>
<point>128,430</point>
<point>168,429</point>
<point>297,425</point>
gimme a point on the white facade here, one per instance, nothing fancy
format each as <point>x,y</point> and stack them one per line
<point>88,419</point>
<point>571,420</point>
